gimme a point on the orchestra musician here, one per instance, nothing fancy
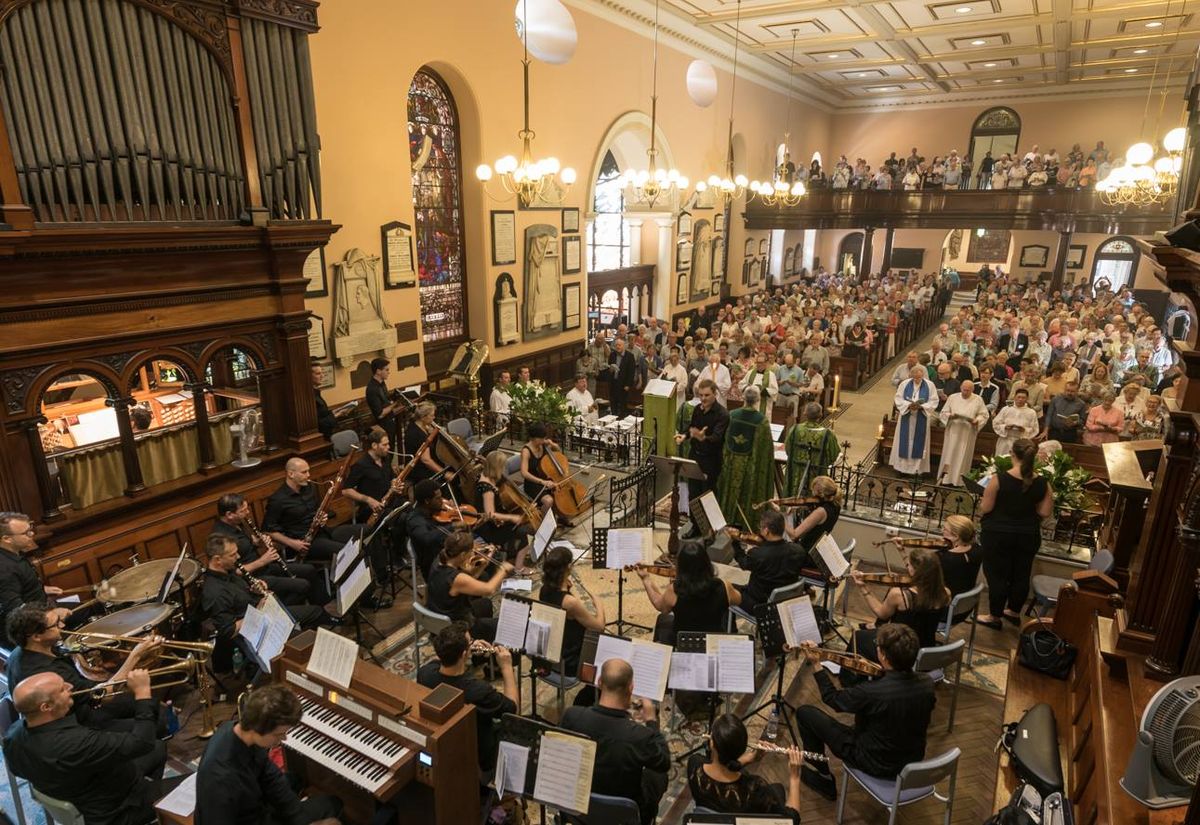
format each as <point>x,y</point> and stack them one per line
<point>452,646</point>
<point>694,601</point>
<point>891,715</point>
<point>632,758</point>
<point>822,518</point>
<point>19,581</point>
<point>111,777</point>
<point>415,434</point>
<point>424,533</point>
<point>705,437</point>
<point>326,422</point>
<point>226,594</point>
<point>238,783</point>
<point>454,590</point>
<point>920,605</point>
<point>556,590</point>
<point>538,489</point>
<point>367,485</point>
<point>506,530</point>
<point>962,558</point>
<point>379,400</point>
<point>233,513</point>
<point>292,509</point>
<point>775,562</point>
<point>720,782</point>
<point>36,630</point>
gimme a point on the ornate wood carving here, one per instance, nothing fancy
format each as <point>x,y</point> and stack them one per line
<point>299,14</point>
<point>16,384</point>
<point>1175,610</point>
<point>266,343</point>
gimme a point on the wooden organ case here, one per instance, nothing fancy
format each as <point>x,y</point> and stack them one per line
<point>159,201</point>
<point>385,738</point>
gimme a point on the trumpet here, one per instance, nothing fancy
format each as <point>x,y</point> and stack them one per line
<point>179,673</point>
<point>767,747</point>
<point>199,650</point>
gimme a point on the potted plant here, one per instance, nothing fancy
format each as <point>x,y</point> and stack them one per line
<point>535,401</point>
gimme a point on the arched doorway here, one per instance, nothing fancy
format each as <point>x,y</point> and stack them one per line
<point>997,130</point>
<point>850,252</point>
<point>1115,264</point>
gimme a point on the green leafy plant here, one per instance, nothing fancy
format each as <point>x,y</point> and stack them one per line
<point>537,402</point>
<point>1065,478</point>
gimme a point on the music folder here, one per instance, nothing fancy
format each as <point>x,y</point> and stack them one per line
<point>550,765</point>
<point>531,627</point>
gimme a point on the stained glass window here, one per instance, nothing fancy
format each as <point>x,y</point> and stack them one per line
<point>437,199</point>
<point>608,234</point>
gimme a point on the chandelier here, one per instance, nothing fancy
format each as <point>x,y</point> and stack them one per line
<point>730,186</point>
<point>649,184</point>
<point>783,192</point>
<point>529,180</point>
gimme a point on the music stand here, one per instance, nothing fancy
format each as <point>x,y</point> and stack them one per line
<point>600,562</point>
<point>527,733</point>
<point>696,641</point>
<point>677,468</point>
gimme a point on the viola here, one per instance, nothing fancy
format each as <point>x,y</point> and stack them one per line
<point>927,543</point>
<point>850,661</point>
<point>793,501</point>
<point>570,497</point>
<point>892,579</point>
<point>664,570</point>
<point>743,536</point>
<point>463,514</point>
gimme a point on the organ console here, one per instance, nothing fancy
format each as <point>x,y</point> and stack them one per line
<point>383,739</point>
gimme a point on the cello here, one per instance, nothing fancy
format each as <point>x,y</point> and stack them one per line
<point>570,497</point>
<point>513,500</point>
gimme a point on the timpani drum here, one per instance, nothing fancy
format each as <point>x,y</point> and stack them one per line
<point>130,621</point>
<point>142,582</point>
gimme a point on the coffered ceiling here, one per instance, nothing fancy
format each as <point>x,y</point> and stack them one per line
<point>870,53</point>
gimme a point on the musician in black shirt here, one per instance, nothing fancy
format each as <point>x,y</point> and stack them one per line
<point>368,484</point>
<point>891,715</point>
<point>452,644</point>
<point>772,563</point>
<point>238,784</point>
<point>111,777</point>
<point>19,582</point>
<point>705,438</point>
<point>632,758</point>
<point>291,511</point>
<point>233,522</point>
<point>383,409</point>
<point>425,534</point>
<point>326,422</point>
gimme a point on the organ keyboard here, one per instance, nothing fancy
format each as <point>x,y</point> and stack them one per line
<point>384,739</point>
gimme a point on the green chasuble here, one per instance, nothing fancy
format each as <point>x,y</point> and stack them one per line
<point>807,442</point>
<point>747,475</point>
<point>681,426</point>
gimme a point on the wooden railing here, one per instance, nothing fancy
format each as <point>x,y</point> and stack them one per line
<point>857,370</point>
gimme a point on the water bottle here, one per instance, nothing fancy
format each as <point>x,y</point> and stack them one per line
<point>172,718</point>
<point>771,731</point>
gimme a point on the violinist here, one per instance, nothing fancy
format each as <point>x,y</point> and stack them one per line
<point>775,562</point>
<point>414,436</point>
<point>920,605</point>
<point>424,533</point>
<point>508,530</point>
<point>891,715</point>
<point>455,591</point>
<point>962,558</point>
<point>538,489</point>
<point>695,600</point>
<point>821,518</point>
<point>556,590</point>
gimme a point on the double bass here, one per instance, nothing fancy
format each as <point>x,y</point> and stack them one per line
<point>570,497</point>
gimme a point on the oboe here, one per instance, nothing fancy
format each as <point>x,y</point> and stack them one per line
<point>267,543</point>
<point>767,747</point>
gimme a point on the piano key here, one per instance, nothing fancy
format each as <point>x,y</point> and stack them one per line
<point>334,725</point>
<point>349,764</point>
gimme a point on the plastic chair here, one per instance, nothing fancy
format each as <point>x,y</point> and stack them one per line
<point>343,441</point>
<point>965,604</point>
<point>512,468</point>
<point>426,620</point>
<point>57,811</point>
<point>1045,588</point>
<point>608,810</point>
<point>461,427</point>
<point>917,781</point>
<point>779,594</point>
<point>8,715</point>
<point>935,661</point>
<point>560,681</point>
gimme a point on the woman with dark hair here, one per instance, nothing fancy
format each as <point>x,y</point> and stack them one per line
<point>455,591</point>
<point>721,784</point>
<point>694,601</point>
<point>1013,506</point>
<point>854,345</point>
<point>536,488</point>
<point>920,605</point>
<point>556,590</point>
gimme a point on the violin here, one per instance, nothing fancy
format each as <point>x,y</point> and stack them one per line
<point>743,536</point>
<point>891,579</point>
<point>849,661</point>
<point>462,514</point>
<point>792,501</point>
<point>664,570</point>
<point>927,543</point>
<point>570,497</point>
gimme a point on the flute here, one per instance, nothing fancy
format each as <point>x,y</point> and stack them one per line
<point>767,747</point>
<point>483,646</point>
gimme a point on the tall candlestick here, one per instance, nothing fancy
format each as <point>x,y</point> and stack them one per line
<point>837,390</point>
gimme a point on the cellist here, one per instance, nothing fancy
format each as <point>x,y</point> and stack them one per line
<point>538,489</point>
<point>508,530</point>
<point>414,436</point>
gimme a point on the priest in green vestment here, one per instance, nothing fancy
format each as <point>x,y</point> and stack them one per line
<point>763,378</point>
<point>747,475</point>
<point>811,450</point>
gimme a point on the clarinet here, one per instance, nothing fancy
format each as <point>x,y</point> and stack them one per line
<point>267,543</point>
<point>256,585</point>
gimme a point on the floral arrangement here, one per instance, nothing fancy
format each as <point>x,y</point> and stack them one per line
<point>1066,480</point>
<point>535,401</point>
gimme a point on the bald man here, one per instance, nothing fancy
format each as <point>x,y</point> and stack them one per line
<point>632,758</point>
<point>290,511</point>
<point>113,778</point>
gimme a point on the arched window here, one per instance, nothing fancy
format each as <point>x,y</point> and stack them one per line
<point>433,147</point>
<point>850,252</point>
<point>1116,261</point>
<point>608,235</point>
<point>998,131</point>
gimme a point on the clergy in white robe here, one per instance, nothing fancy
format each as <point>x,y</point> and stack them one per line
<point>718,373</point>
<point>964,415</point>
<point>1015,421</point>
<point>916,404</point>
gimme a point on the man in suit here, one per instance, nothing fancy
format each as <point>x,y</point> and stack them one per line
<point>1013,342</point>
<point>623,369</point>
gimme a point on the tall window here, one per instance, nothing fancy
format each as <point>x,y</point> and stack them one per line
<point>608,235</point>
<point>1116,261</point>
<point>437,197</point>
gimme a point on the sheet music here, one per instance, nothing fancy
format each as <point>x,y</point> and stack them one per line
<point>72,599</point>
<point>182,800</point>
<point>629,545</point>
<point>564,771</point>
<point>537,638</point>
<point>253,630</point>
<point>344,558</point>
<point>279,625</point>
<point>693,671</point>
<point>832,556</point>
<point>735,665</point>
<point>663,387</point>
<point>543,535</point>
<point>333,657</point>
<point>758,820</point>
<point>510,625</point>
<point>556,619</point>
<point>354,586</point>
<point>712,511</point>
<point>611,647</point>
<point>651,665</point>
<point>799,621</point>
<point>511,764</point>
<point>516,586</point>
<point>731,573</point>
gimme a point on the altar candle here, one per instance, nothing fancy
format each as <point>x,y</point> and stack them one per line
<point>837,389</point>
<point>879,435</point>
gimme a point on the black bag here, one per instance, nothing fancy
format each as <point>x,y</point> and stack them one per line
<point>1032,745</point>
<point>1047,652</point>
<point>1015,812</point>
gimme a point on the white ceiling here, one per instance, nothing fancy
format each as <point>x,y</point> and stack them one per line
<point>854,54</point>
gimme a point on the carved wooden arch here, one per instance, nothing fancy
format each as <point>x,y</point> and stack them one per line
<point>204,22</point>
<point>107,377</point>
<point>176,356</point>
<point>251,348</point>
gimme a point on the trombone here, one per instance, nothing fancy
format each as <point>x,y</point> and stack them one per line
<point>197,650</point>
<point>179,673</point>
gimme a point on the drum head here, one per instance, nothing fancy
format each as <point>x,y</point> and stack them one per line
<point>131,621</point>
<point>142,582</point>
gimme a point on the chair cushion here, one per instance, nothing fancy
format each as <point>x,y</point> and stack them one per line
<point>1047,587</point>
<point>551,678</point>
<point>884,789</point>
